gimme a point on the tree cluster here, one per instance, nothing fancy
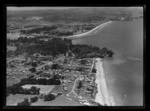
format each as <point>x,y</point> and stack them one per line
<point>17,89</point>
<point>49,97</point>
<point>24,103</point>
<point>38,30</point>
<point>33,99</point>
<point>93,70</point>
<point>88,51</point>
<point>83,62</point>
<point>52,47</point>
<point>56,66</point>
<point>79,85</point>
<point>59,33</point>
<point>56,46</point>
<point>41,81</point>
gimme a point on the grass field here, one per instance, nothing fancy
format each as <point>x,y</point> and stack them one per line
<point>43,88</point>
<point>12,100</point>
<point>59,101</point>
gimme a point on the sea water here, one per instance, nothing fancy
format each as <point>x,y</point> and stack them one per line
<point>124,72</point>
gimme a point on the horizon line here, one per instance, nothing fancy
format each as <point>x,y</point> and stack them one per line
<point>15,8</point>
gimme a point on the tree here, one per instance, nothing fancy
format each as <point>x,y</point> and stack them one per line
<point>32,70</point>
<point>80,85</point>
<point>34,90</point>
<point>110,53</point>
<point>81,69</point>
<point>70,54</point>
<point>34,64</point>
<point>83,62</point>
<point>57,82</point>
<point>24,103</point>
<point>55,66</point>
<point>49,97</point>
<point>46,67</point>
<point>33,99</point>
<point>93,70</point>
<point>65,60</point>
<point>98,104</point>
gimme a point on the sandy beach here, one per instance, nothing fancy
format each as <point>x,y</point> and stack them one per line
<point>102,96</point>
<point>96,29</point>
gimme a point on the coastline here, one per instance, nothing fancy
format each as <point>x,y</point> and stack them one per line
<point>89,32</point>
<point>115,71</point>
<point>102,96</point>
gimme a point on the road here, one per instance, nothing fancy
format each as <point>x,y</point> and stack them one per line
<point>74,85</point>
<point>92,66</point>
<point>72,91</point>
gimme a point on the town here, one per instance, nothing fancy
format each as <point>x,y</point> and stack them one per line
<point>66,70</point>
<point>77,77</point>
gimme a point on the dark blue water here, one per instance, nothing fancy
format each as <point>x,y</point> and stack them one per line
<point>124,72</point>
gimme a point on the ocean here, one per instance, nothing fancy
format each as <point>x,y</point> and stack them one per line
<point>124,72</point>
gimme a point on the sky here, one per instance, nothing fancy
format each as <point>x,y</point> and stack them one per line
<point>35,8</point>
<point>56,8</point>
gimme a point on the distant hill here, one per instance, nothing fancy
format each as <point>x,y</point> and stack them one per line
<point>78,14</point>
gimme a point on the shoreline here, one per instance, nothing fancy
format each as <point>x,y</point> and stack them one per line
<point>102,96</point>
<point>89,32</point>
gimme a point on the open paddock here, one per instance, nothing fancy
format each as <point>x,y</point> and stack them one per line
<point>44,89</point>
<point>12,100</point>
<point>59,101</point>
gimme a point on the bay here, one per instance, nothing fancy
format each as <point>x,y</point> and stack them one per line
<point>124,72</point>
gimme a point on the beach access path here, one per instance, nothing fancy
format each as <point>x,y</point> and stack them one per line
<point>102,96</point>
